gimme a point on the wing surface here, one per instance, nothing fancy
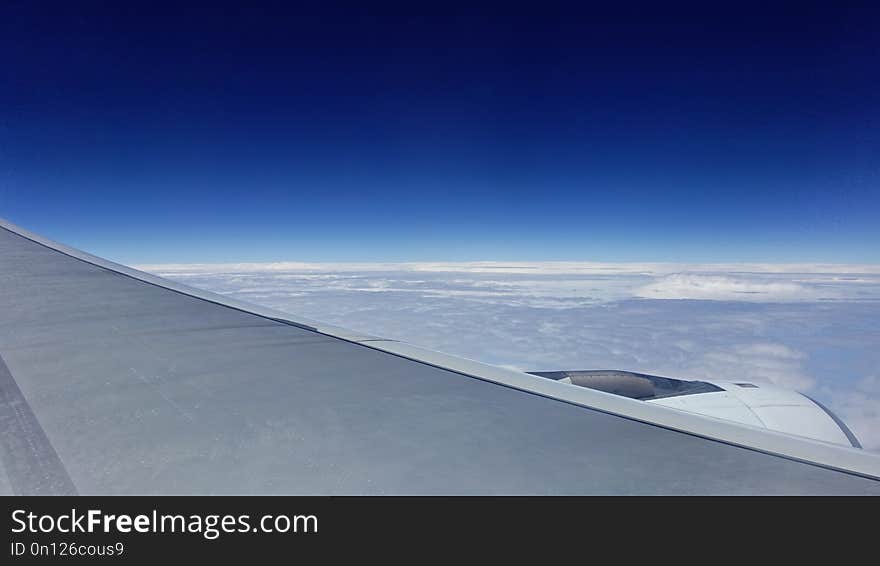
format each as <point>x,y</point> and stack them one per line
<point>113,381</point>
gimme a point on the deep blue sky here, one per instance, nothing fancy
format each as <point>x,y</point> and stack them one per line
<point>453,132</point>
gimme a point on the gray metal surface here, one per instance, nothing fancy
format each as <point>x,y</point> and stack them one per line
<point>30,462</point>
<point>840,424</point>
<point>140,389</point>
<point>629,383</point>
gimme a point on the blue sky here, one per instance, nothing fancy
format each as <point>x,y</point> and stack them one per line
<point>444,132</point>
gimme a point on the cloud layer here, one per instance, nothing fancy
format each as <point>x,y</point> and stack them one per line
<point>723,288</point>
<point>813,328</point>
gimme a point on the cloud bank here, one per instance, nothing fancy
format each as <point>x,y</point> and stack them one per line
<point>814,328</point>
<point>723,288</point>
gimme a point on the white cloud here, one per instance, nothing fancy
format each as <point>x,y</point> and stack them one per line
<point>723,288</point>
<point>524,268</point>
<point>808,327</point>
<point>768,362</point>
<point>561,283</point>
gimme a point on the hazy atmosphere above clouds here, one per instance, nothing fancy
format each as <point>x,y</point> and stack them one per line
<point>810,327</point>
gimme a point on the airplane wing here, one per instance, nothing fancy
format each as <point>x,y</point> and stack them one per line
<point>114,381</point>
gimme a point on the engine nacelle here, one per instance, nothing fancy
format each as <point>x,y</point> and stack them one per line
<point>755,404</point>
